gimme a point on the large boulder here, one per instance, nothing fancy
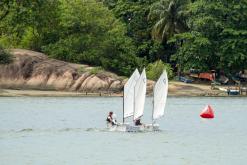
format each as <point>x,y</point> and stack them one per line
<point>33,70</point>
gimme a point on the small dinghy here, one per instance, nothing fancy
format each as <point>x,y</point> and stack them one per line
<point>128,103</point>
<point>135,107</point>
<point>134,101</point>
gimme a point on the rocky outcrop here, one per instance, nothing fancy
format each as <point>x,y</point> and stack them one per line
<point>33,70</point>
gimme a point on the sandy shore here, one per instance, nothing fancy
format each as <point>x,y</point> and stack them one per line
<point>175,89</point>
<point>39,93</point>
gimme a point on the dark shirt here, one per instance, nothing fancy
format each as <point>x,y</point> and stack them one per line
<point>138,122</point>
<point>110,120</point>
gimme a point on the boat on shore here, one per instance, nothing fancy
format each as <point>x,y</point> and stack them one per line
<point>230,91</point>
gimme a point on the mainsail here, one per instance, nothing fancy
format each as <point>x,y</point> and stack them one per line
<point>129,94</point>
<point>160,95</point>
<point>140,94</point>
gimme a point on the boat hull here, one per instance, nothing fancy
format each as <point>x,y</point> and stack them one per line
<point>131,128</point>
<point>152,127</point>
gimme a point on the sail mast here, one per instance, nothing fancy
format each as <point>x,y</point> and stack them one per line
<point>134,103</point>
<point>153,106</point>
<point>123,106</point>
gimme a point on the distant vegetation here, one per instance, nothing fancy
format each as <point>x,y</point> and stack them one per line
<point>5,57</point>
<point>154,70</point>
<point>120,35</point>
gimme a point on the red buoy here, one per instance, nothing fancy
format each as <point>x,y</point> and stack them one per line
<point>207,112</point>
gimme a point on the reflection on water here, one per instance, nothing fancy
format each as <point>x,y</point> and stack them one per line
<point>72,131</point>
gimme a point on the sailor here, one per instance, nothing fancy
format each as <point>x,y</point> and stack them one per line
<point>110,120</point>
<point>114,119</point>
<point>138,122</point>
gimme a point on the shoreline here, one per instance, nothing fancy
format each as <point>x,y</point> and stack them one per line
<point>176,89</point>
<point>39,93</point>
<point>39,76</point>
<point>49,93</point>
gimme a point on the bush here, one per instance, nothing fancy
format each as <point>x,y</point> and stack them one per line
<point>96,70</point>
<point>154,70</point>
<point>5,57</point>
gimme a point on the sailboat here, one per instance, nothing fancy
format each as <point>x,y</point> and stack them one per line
<point>128,95</point>
<point>128,100</point>
<point>140,95</point>
<point>159,100</point>
<point>133,100</point>
<point>139,101</point>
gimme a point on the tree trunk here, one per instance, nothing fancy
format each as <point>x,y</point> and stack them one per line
<point>179,63</point>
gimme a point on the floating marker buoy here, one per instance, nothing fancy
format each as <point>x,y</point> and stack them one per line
<point>207,112</point>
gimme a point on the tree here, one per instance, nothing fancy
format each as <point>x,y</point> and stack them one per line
<point>217,36</point>
<point>169,19</point>
<point>109,3</point>
<point>4,8</point>
<point>154,70</point>
<point>5,57</point>
<point>134,14</point>
<point>28,24</point>
<point>89,33</point>
<point>194,53</point>
<point>233,49</point>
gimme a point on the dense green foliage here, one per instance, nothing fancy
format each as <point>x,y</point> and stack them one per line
<point>121,35</point>
<point>91,34</point>
<point>5,57</point>
<point>28,24</point>
<point>169,18</point>
<point>134,14</point>
<point>76,31</point>
<point>217,38</point>
<point>154,70</point>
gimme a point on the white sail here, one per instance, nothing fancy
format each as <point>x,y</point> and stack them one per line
<point>160,95</point>
<point>140,94</point>
<point>129,94</point>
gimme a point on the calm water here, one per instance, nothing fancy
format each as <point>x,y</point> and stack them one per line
<point>57,131</point>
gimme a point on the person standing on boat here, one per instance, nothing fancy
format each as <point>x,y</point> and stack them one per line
<point>110,120</point>
<point>228,91</point>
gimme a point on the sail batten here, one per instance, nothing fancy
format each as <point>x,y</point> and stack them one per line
<point>129,94</point>
<point>140,95</point>
<point>160,96</point>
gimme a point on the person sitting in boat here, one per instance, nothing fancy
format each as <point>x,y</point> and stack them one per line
<point>138,122</point>
<point>110,120</point>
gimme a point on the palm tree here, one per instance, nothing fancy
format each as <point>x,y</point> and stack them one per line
<point>169,18</point>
